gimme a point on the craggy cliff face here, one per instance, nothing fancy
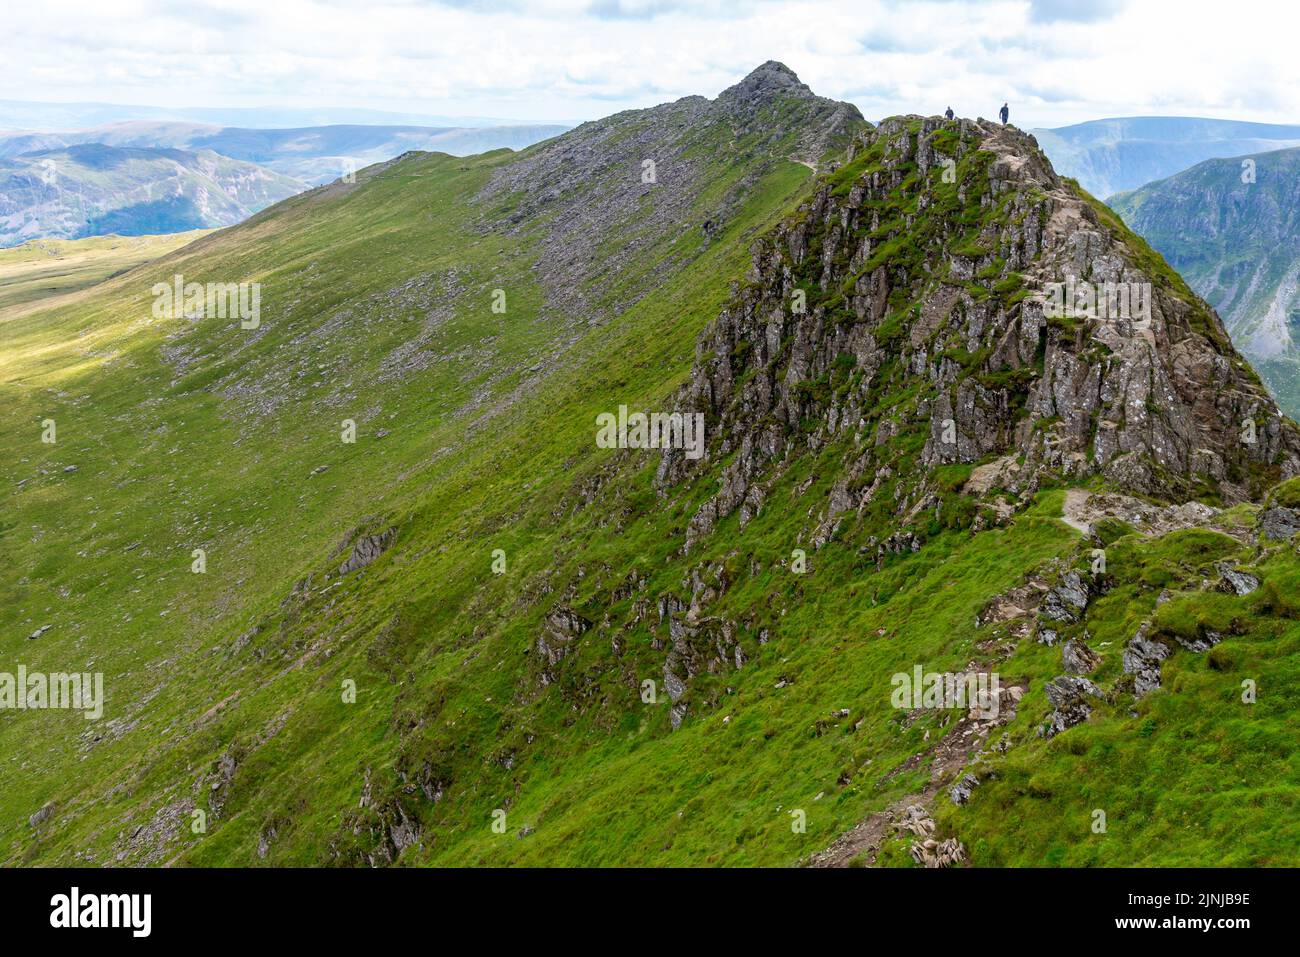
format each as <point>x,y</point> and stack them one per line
<point>946,293</point>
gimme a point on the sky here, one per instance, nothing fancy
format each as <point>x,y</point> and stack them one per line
<point>1055,61</point>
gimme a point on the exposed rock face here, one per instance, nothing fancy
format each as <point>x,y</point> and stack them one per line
<point>1078,659</point>
<point>710,645</point>
<point>563,627</point>
<point>366,549</point>
<point>1067,601</point>
<point>1142,658</point>
<point>927,263</point>
<point>1069,699</point>
<point>1279,524</point>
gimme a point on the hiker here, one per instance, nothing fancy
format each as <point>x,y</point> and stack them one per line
<point>947,114</point>
<point>1005,114</point>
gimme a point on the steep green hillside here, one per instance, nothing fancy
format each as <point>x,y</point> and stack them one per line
<point>630,656</point>
<point>1230,227</point>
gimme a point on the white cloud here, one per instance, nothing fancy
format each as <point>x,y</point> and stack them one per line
<point>1055,61</point>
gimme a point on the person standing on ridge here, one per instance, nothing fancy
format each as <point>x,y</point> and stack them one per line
<point>948,113</point>
<point>1005,114</point>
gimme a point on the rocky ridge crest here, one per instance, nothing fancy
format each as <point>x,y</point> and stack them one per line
<point>904,315</point>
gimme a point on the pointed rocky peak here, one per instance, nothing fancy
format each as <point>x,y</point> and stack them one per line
<point>761,103</point>
<point>765,82</point>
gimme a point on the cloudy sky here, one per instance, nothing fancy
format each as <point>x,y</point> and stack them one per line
<point>1056,61</point>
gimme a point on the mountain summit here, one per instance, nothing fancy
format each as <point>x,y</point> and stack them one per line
<point>766,81</point>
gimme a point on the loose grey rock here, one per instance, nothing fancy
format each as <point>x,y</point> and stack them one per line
<point>932,853</point>
<point>38,632</point>
<point>961,791</point>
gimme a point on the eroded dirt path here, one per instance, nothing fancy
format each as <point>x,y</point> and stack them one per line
<point>1072,513</point>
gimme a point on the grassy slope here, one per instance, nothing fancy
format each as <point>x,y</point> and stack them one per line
<point>435,642</point>
<point>190,471</point>
<point>41,269</point>
<point>1190,775</point>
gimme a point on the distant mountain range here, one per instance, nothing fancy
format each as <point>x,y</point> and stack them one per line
<point>93,190</point>
<point>144,177</point>
<point>312,155</point>
<point>1109,156</point>
<point>1232,228</point>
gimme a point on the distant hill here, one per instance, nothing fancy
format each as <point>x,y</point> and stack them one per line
<point>93,190</point>
<point>1236,239</point>
<point>1108,156</point>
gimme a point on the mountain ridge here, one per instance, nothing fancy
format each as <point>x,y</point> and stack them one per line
<point>476,636</point>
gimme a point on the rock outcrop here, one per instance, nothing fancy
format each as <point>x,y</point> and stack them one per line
<point>1071,698</point>
<point>913,304</point>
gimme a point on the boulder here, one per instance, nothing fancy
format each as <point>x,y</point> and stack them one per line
<point>1234,581</point>
<point>961,791</point>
